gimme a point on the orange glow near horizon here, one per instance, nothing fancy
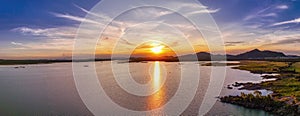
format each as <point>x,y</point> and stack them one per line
<point>153,49</point>
<point>157,49</point>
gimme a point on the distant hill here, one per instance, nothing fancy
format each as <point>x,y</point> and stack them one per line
<point>162,58</point>
<point>200,56</point>
<point>253,54</point>
<point>192,57</point>
<point>257,54</point>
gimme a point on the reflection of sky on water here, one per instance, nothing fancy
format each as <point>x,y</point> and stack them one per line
<point>50,88</point>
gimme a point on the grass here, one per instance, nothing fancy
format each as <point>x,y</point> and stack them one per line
<point>296,66</point>
<point>262,66</point>
<point>220,64</point>
<point>286,97</point>
<point>267,103</point>
<point>285,87</point>
<point>289,82</point>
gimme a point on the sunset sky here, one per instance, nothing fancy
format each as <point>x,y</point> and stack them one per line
<point>47,28</point>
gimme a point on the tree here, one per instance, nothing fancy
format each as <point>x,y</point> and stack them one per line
<point>257,93</point>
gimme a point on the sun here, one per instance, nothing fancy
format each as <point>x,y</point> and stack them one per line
<point>157,49</point>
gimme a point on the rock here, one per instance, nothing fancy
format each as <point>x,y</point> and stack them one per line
<point>229,87</point>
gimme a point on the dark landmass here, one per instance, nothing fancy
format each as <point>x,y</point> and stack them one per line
<point>204,56</point>
<point>220,64</point>
<point>286,88</point>
<point>200,56</point>
<point>250,55</point>
<point>253,54</point>
<point>248,86</point>
<point>23,62</point>
<point>267,103</point>
<point>163,58</point>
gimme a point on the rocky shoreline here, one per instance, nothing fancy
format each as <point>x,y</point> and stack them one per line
<point>285,87</point>
<point>274,103</point>
<point>266,103</point>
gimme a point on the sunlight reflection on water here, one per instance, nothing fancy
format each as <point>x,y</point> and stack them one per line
<point>157,99</point>
<point>156,75</point>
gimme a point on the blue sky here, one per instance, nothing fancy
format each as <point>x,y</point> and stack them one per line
<point>16,13</point>
<point>35,26</point>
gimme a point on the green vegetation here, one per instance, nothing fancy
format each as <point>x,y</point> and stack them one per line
<point>262,66</point>
<point>287,84</point>
<point>284,87</point>
<point>285,99</point>
<point>296,66</point>
<point>267,103</point>
<point>220,64</point>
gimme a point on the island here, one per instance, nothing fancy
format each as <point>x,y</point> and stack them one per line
<point>285,99</point>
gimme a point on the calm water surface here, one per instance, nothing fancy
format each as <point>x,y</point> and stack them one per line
<point>49,89</point>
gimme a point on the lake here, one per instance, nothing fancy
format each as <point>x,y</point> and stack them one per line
<point>49,89</point>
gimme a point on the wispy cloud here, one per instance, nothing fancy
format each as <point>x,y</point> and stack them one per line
<point>26,30</point>
<point>124,41</point>
<point>94,14</point>
<point>286,41</point>
<point>204,11</point>
<point>183,5</point>
<point>16,43</point>
<point>60,32</point>
<point>282,7</point>
<point>287,22</point>
<point>149,13</point>
<point>50,44</point>
<point>256,14</point>
<point>270,15</point>
<point>76,18</point>
<point>233,43</point>
<point>270,11</point>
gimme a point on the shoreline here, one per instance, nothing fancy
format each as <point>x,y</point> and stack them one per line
<point>213,62</point>
<point>284,81</point>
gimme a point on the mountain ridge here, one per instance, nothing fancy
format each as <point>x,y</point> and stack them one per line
<point>256,53</point>
<point>252,54</point>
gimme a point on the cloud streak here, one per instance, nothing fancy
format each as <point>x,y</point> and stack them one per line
<point>124,41</point>
<point>270,11</point>
<point>76,18</point>
<point>282,7</point>
<point>287,22</point>
<point>16,43</point>
<point>286,41</point>
<point>26,30</point>
<point>61,32</point>
<point>92,13</point>
<point>204,11</point>
<point>270,15</point>
<point>233,43</point>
